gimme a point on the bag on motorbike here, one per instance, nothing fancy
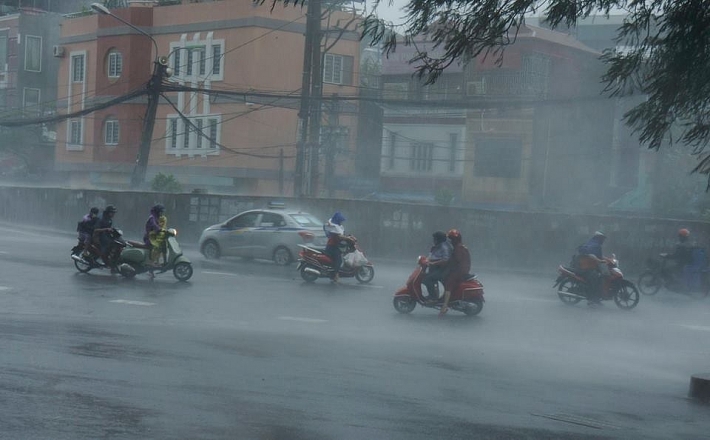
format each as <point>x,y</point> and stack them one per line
<point>332,229</point>
<point>355,259</point>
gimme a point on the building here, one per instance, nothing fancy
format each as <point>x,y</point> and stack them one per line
<point>529,131</point>
<point>222,143</point>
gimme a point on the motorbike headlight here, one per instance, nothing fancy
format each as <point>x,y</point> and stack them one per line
<point>173,231</point>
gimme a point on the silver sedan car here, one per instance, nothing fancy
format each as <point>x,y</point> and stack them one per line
<point>272,234</point>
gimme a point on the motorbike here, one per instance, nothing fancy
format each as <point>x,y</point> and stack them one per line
<point>466,298</point>
<point>87,258</point>
<point>313,263</point>
<point>695,281</point>
<point>134,258</point>
<point>573,288</point>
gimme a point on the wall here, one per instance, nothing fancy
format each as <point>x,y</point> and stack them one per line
<point>516,240</point>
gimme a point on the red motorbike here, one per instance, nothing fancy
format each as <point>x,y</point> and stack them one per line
<point>573,288</point>
<point>466,298</point>
<point>314,263</point>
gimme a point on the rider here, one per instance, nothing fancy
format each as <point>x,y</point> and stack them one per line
<point>104,226</point>
<point>682,255</point>
<point>591,266</point>
<point>335,232</point>
<point>86,227</point>
<point>437,261</point>
<point>459,267</point>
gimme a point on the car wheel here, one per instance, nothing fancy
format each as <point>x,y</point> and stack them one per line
<point>282,256</point>
<point>211,250</point>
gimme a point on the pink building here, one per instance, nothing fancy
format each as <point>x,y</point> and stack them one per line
<point>247,145</point>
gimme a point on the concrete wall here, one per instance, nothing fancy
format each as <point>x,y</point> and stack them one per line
<point>516,240</point>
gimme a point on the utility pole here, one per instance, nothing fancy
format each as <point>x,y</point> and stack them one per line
<point>154,90</point>
<point>307,152</point>
<point>334,136</point>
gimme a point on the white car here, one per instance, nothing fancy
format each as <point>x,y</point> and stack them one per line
<point>272,234</point>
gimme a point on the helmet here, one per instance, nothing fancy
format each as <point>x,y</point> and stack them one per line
<point>110,209</point>
<point>439,237</point>
<point>337,218</point>
<point>683,233</point>
<point>158,209</point>
<point>94,211</point>
<point>454,235</point>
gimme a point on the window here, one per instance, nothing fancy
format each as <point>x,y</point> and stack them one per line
<point>393,149</point>
<point>213,133</point>
<point>453,144</point>
<point>173,132</point>
<point>77,68</point>
<point>30,100</point>
<point>75,132</point>
<point>333,69</point>
<point>111,132</point>
<point>245,220</point>
<point>498,158</point>
<point>422,157</point>
<point>186,135</point>
<point>199,61</point>
<point>200,134</point>
<point>269,219</point>
<point>115,64</point>
<point>33,53</point>
<point>3,52</point>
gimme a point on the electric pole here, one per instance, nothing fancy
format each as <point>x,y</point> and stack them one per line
<point>333,139</point>
<point>154,89</point>
<point>314,138</point>
<point>300,176</point>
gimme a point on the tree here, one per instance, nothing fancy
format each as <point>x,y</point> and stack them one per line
<point>666,53</point>
<point>166,183</point>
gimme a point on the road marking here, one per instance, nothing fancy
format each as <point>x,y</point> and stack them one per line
<point>132,303</point>
<point>308,320</point>
<point>3,252</point>
<point>576,420</point>
<point>695,327</point>
<point>229,274</point>
<point>3,288</point>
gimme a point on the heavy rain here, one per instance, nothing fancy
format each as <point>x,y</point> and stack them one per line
<point>331,219</point>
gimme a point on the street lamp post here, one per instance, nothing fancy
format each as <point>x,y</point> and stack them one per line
<point>154,87</point>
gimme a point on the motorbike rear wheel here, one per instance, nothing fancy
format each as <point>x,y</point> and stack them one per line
<point>404,304</point>
<point>182,271</point>
<point>308,276</point>
<point>626,295</point>
<point>473,307</point>
<point>649,283</point>
<point>569,286</point>
<point>365,274</point>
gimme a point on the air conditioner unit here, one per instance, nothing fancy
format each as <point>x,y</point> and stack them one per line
<point>58,51</point>
<point>476,87</point>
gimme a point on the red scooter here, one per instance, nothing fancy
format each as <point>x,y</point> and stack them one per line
<point>466,298</point>
<point>314,263</point>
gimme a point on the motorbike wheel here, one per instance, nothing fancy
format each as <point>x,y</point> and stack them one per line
<point>307,276</point>
<point>365,274</point>
<point>626,296</point>
<point>649,283</point>
<point>570,286</point>
<point>404,304</point>
<point>183,271</point>
<point>82,267</point>
<point>473,307</point>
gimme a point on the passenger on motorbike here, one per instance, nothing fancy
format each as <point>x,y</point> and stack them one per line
<point>682,256</point>
<point>155,228</point>
<point>86,227</point>
<point>437,262</point>
<point>335,232</point>
<point>459,267</point>
<point>592,267</point>
<point>103,228</point>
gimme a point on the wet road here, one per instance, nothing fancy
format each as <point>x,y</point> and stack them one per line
<point>246,350</point>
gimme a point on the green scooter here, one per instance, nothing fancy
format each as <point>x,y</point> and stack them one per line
<point>135,259</point>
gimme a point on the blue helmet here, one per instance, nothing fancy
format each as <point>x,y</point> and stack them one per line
<point>338,218</point>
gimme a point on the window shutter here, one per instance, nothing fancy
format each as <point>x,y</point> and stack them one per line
<point>347,70</point>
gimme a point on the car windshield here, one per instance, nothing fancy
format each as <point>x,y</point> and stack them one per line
<point>306,220</point>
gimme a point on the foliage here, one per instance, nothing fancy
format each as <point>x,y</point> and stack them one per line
<point>166,183</point>
<point>444,196</point>
<point>115,4</point>
<point>666,55</point>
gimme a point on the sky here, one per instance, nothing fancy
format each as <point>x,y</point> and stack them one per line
<point>390,13</point>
